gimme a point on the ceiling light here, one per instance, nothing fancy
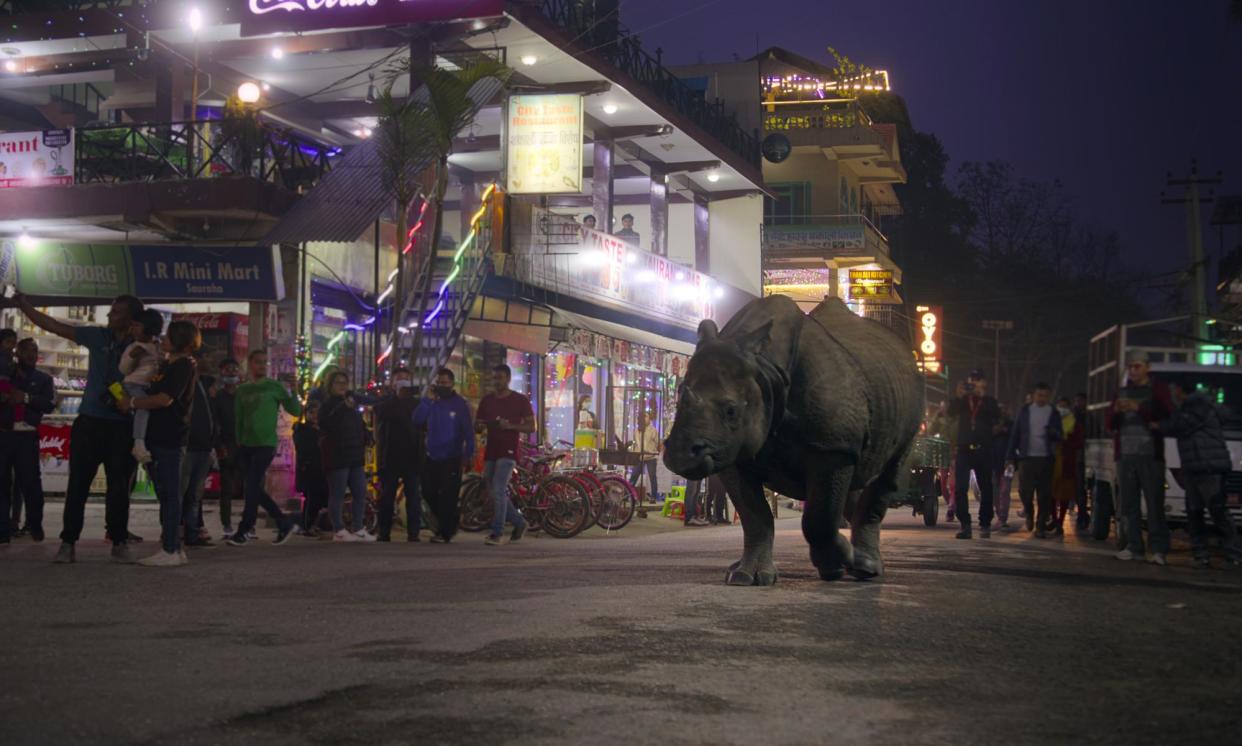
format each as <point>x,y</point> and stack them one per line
<point>718,292</point>
<point>610,108</point>
<point>24,241</point>
<point>195,20</point>
<point>529,59</point>
<point>713,177</point>
<point>366,131</point>
<point>267,87</point>
<point>278,53</point>
<point>10,66</point>
<point>248,92</point>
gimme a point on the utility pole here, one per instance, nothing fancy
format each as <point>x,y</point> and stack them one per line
<point>1194,240</point>
<point>998,327</point>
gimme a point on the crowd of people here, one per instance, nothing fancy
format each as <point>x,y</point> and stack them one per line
<point>1043,447</point>
<point>149,399</point>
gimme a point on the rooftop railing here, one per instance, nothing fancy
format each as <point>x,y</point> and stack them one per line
<point>842,114</point>
<point>612,41</point>
<point>198,150</point>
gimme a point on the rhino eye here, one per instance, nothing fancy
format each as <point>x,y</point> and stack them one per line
<point>730,411</point>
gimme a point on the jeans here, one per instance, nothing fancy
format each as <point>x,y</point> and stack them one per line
<point>390,478</point>
<point>194,469</point>
<point>354,477</point>
<point>19,451</point>
<point>254,462</point>
<point>978,460</point>
<point>96,441</point>
<point>1035,487</point>
<point>442,488</point>
<point>167,474</point>
<point>1145,473</point>
<point>718,496</point>
<point>1207,492</point>
<point>690,509</point>
<point>654,492</point>
<point>230,486</point>
<point>496,475</point>
<point>141,416</point>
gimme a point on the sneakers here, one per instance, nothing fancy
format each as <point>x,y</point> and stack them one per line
<point>964,533</point>
<point>1159,559</point>
<point>365,535</point>
<point>1125,555</point>
<point>438,539</point>
<point>345,536</point>
<point>496,541</point>
<point>227,533</point>
<point>237,540</point>
<point>164,559</point>
<point>285,534</point>
<point>122,555</point>
<point>518,533</point>
<point>985,532</point>
<point>141,454</point>
<point>67,555</point>
<point>696,521</point>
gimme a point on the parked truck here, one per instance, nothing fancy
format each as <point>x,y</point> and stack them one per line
<point>1174,356</point>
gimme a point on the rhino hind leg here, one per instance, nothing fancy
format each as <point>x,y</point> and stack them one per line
<point>869,515</point>
<point>756,566</point>
<point>828,486</point>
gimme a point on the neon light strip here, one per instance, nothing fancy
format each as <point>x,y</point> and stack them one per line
<point>336,341</point>
<point>461,249</point>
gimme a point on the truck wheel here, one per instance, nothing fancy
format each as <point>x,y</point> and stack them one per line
<point>931,509</point>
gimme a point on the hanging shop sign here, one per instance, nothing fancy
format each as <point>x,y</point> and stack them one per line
<point>930,334</point>
<point>544,138</point>
<point>623,352</point>
<point>867,284</point>
<point>41,158</point>
<point>191,273</point>
<point>838,238</point>
<point>274,16</point>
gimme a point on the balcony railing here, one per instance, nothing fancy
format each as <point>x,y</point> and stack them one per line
<point>815,115</point>
<point>610,40</point>
<point>198,150</point>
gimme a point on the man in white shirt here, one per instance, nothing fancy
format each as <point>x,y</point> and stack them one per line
<point>648,446</point>
<point>1032,444</point>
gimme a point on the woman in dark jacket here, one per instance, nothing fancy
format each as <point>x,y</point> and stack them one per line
<point>343,436</point>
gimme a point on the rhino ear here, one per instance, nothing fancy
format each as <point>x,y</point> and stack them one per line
<point>708,331</point>
<point>756,340</point>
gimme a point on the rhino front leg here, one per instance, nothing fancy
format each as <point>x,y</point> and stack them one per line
<point>756,566</point>
<point>828,487</point>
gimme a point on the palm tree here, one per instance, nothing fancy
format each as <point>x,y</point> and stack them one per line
<point>409,132</point>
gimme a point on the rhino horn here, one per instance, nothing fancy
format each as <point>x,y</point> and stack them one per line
<point>708,331</point>
<point>756,340</point>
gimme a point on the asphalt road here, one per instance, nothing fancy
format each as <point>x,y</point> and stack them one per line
<point>627,639</point>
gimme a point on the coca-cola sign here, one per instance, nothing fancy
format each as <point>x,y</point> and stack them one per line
<point>274,16</point>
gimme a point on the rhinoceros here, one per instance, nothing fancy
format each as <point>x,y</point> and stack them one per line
<point>822,408</point>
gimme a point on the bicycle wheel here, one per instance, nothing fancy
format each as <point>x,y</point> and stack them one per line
<point>563,505</point>
<point>475,505</point>
<point>620,503</point>
<point>595,494</point>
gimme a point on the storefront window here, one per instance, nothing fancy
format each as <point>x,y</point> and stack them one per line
<point>560,397</point>
<point>635,391</point>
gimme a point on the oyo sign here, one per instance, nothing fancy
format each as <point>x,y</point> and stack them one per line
<point>930,335</point>
<point>275,16</point>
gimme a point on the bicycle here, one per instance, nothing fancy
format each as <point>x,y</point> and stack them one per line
<point>614,501</point>
<point>554,503</point>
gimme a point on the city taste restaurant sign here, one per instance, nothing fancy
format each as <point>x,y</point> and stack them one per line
<point>192,273</point>
<point>274,16</point>
<point>41,158</point>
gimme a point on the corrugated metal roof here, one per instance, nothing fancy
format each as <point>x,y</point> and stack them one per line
<point>346,201</point>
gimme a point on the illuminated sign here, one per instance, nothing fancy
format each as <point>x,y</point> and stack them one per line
<point>929,338</point>
<point>40,158</point>
<point>274,16</point>
<point>866,284</point>
<point>841,239</point>
<point>544,135</point>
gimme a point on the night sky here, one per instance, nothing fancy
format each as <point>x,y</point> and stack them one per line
<point>1107,96</point>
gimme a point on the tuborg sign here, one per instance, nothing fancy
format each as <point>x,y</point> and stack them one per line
<point>274,16</point>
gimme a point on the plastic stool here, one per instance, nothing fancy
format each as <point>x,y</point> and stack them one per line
<point>674,507</point>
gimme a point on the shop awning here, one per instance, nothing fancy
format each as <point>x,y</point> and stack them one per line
<point>620,331</point>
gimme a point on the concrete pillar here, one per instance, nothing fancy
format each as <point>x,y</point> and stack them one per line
<point>702,234</point>
<point>659,213</point>
<point>602,184</point>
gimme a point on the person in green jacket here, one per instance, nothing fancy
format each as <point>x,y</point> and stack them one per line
<point>258,403</point>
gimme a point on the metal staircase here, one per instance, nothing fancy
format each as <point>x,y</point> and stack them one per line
<point>458,273</point>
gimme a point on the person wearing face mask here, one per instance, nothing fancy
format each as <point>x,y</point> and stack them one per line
<point>398,456</point>
<point>1065,468</point>
<point>450,444</point>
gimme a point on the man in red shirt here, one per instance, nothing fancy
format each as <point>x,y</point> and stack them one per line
<point>506,415</point>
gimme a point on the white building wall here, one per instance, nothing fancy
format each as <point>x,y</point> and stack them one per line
<point>736,235</point>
